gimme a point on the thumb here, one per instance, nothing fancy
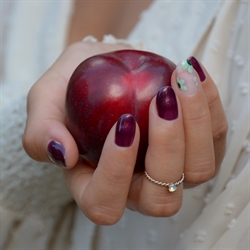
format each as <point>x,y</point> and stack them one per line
<point>49,141</point>
<point>46,137</point>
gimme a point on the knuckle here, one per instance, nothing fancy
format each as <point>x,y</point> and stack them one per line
<point>74,47</point>
<point>30,147</point>
<point>117,178</point>
<point>114,175</point>
<point>199,176</point>
<point>165,207</point>
<point>221,130</point>
<point>177,144</point>
<point>198,116</point>
<point>101,210</point>
<point>103,215</point>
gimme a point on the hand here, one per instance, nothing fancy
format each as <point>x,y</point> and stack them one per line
<point>193,143</point>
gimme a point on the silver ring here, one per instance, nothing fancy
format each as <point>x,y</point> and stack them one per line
<point>172,186</point>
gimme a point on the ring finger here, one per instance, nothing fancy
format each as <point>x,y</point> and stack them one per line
<point>165,157</point>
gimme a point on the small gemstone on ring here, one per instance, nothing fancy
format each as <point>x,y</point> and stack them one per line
<point>172,187</point>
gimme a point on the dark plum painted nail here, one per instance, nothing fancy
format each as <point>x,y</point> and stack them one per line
<point>197,67</point>
<point>167,104</point>
<point>125,130</point>
<point>56,153</point>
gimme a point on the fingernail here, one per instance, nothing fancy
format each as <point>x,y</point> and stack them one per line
<point>125,130</point>
<point>186,78</point>
<point>167,104</point>
<point>197,67</point>
<point>56,153</point>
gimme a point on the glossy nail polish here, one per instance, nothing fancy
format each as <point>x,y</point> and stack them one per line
<point>167,104</point>
<point>197,67</point>
<point>187,81</point>
<point>56,153</point>
<point>125,130</point>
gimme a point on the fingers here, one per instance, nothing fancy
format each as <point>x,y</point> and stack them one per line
<point>218,117</point>
<point>199,152</point>
<point>102,194</point>
<point>165,156</point>
<point>201,126</point>
<point>46,137</point>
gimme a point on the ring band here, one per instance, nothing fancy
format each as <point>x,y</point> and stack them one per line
<point>172,186</point>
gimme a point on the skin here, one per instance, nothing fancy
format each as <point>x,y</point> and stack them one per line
<point>197,145</point>
<point>104,17</point>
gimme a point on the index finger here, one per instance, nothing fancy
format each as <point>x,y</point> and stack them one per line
<point>102,193</point>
